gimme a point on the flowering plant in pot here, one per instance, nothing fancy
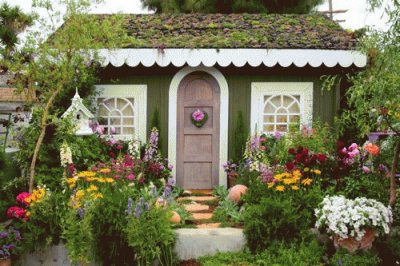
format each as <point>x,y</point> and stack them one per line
<point>9,242</point>
<point>353,223</point>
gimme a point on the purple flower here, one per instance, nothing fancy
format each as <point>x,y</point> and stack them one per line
<point>3,234</point>
<point>146,206</point>
<point>81,213</point>
<point>154,191</point>
<point>167,191</point>
<point>171,182</point>
<point>129,210</point>
<point>278,135</point>
<point>138,210</point>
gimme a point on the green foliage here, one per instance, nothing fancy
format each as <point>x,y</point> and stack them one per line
<point>220,192</point>
<point>12,22</point>
<point>239,138</point>
<point>45,224</point>
<point>230,6</point>
<point>79,235</point>
<point>371,186</point>
<point>109,224</point>
<point>305,253</point>
<point>271,216</point>
<point>228,212</point>
<point>342,257</point>
<point>152,237</point>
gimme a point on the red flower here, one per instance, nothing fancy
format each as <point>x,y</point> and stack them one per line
<point>321,158</point>
<point>17,212</point>
<point>305,151</point>
<point>298,158</point>
<point>289,166</point>
<point>300,149</point>
<point>21,198</point>
<point>292,151</point>
<point>112,154</point>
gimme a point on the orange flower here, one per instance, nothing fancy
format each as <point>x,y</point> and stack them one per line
<point>372,149</point>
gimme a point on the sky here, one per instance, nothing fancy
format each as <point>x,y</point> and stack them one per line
<point>356,17</point>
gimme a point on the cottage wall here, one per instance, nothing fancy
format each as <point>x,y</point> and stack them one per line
<point>326,103</point>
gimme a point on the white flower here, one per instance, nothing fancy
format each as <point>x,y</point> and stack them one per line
<point>65,154</point>
<point>349,218</point>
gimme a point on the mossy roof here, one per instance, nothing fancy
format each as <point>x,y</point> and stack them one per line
<point>270,31</point>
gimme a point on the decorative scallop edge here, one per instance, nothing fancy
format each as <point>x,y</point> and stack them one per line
<point>237,57</point>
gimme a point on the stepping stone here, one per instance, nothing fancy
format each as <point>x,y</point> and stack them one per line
<point>195,207</point>
<point>202,192</point>
<point>187,193</point>
<point>198,198</point>
<point>192,243</point>
<point>210,225</point>
<point>202,216</point>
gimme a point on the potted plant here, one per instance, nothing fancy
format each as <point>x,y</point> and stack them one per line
<point>9,241</point>
<point>353,223</point>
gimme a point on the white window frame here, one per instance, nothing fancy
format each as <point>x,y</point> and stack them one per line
<point>139,94</point>
<point>261,89</point>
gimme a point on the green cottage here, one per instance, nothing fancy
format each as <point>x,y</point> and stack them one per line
<point>266,66</point>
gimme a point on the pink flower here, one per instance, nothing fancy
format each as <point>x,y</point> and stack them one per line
<point>366,170</point>
<point>131,177</point>
<point>112,130</point>
<point>198,115</point>
<point>21,198</point>
<point>17,212</point>
<point>100,130</point>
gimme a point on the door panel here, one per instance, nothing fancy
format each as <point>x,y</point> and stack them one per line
<point>198,148</point>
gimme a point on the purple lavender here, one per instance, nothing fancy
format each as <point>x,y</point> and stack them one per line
<point>152,146</point>
<point>167,191</point>
<point>129,210</point>
<point>138,210</point>
<point>81,213</point>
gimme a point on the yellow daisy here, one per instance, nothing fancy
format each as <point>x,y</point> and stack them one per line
<point>280,188</point>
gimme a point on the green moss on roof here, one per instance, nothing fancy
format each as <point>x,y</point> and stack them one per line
<point>270,31</point>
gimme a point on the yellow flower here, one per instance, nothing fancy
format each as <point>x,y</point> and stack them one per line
<point>72,182</point>
<point>108,180</point>
<point>278,177</point>
<point>306,182</point>
<point>306,169</point>
<point>92,188</point>
<point>280,188</point>
<point>105,171</point>
<point>295,187</point>
<point>317,172</point>
<point>271,184</point>
<point>97,195</point>
<point>288,181</point>
<point>36,195</point>
<point>79,194</point>
<point>86,174</point>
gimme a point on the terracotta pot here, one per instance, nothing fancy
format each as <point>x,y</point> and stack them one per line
<point>352,245</point>
<point>5,262</point>
<point>236,192</point>
<point>176,218</point>
<point>232,179</point>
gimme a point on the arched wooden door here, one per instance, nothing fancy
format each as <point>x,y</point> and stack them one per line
<point>198,148</point>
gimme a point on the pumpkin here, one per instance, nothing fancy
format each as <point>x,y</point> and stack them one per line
<point>176,218</point>
<point>236,192</point>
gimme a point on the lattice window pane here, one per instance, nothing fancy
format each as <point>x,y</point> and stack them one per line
<point>119,113</point>
<point>280,111</point>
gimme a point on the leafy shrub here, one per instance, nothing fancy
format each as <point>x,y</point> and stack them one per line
<point>228,211</point>
<point>270,215</point>
<point>279,253</point>
<point>151,236</point>
<point>365,258</point>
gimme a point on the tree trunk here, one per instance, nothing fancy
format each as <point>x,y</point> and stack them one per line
<point>393,184</point>
<point>43,126</point>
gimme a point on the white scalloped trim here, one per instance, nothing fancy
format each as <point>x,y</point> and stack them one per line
<point>237,57</point>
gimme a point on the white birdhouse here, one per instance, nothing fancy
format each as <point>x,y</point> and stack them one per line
<point>80,115</point>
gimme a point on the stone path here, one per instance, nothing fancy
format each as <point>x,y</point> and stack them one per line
<point>201,207</point>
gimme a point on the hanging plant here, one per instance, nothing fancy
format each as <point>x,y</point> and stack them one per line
<point>199,118</point>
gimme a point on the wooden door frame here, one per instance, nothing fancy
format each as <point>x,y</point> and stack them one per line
<point>224,116</point>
